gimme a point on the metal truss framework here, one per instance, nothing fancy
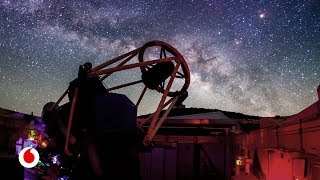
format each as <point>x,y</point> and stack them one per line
<point>167,54</point>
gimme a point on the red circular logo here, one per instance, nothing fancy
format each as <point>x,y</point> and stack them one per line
<point>29,157</point>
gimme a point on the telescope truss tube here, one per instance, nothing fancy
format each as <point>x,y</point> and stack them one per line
<point>128,61</point>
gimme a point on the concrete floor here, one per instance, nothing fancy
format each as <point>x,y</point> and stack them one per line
<point>244,177</point>
<point>29,174</point>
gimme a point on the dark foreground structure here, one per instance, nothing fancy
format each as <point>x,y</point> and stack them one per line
<point>209,144</point>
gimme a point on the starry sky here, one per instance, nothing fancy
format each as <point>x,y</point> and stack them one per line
<point>255,57</point>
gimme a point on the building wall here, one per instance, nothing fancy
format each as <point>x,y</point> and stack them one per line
<point>287,147</point>
<point>286,136</point>
<point>10,130</point>
<point>181,161</point>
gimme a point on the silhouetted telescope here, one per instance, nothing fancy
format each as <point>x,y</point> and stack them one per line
<point>95,107</point>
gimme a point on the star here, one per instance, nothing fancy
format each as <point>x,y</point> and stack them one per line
<point>262,15</point>
<point>238,60</point>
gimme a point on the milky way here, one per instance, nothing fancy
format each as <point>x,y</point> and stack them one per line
<point>254,57</point>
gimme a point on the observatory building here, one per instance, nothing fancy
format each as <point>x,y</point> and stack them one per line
<point>205,143</point>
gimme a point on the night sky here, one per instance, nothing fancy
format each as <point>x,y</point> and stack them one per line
<point>254,57</point>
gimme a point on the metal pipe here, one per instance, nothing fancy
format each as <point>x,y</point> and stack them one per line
<point>300,133</point>
<point>307,119</point>
<point>94,73</point>
<point>122,63</point>
<point>159,123</point>
<point>277,136</point>
<point>115,60</point>
<point>59,100</point>
<point>73,105</point>
<point>141,96</point>
<point>165,105</point>
<point>164,96</point>
<point>124,85</point>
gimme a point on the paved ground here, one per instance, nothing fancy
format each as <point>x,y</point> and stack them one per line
<point>29,174</point>
<point>244,177</point>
